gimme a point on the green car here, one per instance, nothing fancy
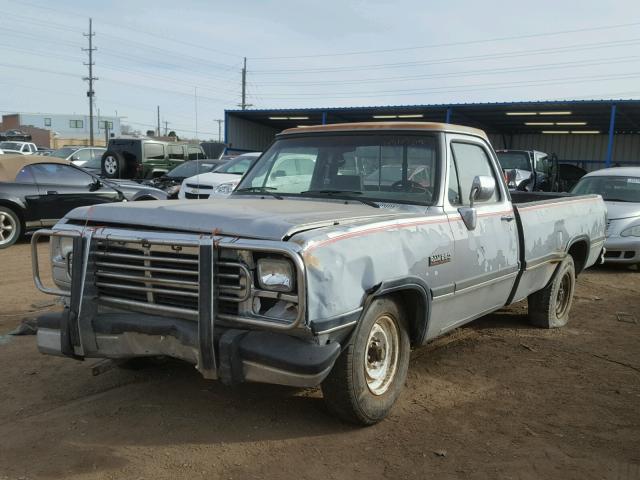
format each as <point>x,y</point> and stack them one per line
<point>145,157</point>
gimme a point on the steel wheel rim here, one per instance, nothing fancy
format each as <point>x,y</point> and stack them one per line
<point>110,165</point>
<point>381,355</point>
<point>8,228</point>
<point>564,295</point>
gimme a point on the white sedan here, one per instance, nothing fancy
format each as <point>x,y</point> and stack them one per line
<point>620,189</point>
<point>220,182</point>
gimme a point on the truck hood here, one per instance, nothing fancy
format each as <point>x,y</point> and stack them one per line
<point>260,218</point>
<point>619,210</point>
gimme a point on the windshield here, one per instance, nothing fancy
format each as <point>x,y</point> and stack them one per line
<point>394,167</point>
<point>193,167</point>
<point>614,189</point>
<point>10,145</point>
<point>514,160</point>
<point>238,165</point>
<point>62,152</point>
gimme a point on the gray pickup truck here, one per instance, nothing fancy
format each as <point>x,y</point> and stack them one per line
<point>342,248</point>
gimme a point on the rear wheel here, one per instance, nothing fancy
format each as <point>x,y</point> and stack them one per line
<point>113,165</point>
<point>10,227</point>
<point>550,307</point>
<point>368,377</point>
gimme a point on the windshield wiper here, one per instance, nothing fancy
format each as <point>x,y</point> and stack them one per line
<point>346,194</point>
<point>267,190</point>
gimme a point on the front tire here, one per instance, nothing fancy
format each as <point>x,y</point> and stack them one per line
<point>368,377</point>
<point>10,227</point>
<point>550,307</point>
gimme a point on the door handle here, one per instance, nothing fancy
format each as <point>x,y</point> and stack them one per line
<point>51,192</point>
<point>507,218</point>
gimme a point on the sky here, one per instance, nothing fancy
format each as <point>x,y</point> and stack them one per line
<point>186,56</point>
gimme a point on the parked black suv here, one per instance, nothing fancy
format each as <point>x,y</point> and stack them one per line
<point>145,157</point>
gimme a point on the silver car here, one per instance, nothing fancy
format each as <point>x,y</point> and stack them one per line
<point>620,189</point>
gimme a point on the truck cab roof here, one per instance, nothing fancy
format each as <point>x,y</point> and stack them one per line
<point>388,126</point>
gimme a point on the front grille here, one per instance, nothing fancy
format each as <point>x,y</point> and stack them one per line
<point>164,279</point>
<point>159,276</point>
<point>200,196</point>
<point>197,186</point>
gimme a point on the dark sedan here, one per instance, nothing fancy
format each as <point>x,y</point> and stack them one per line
<point>37,191</point>
<point>170,182</point>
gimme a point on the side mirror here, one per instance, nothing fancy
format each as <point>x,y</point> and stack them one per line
<point>482,189</point>
<point>75,158</point>
<point>96,185</point>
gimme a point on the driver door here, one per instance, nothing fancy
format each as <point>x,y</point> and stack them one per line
<point>61,188</point>
<point>486,257</point>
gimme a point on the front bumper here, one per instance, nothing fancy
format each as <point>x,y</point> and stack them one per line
<point>241,355</point>
<point>622,250</point>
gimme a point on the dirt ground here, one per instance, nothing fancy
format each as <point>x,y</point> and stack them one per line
<point>496,399</point>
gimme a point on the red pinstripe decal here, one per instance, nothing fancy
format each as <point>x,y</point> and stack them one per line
<point>395,226</point>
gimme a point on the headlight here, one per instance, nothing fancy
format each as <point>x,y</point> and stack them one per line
<point>225,188</point>
<point>61,248</point>
<point>275,274</point>
<point>173,190</point>
<point>631,232</point>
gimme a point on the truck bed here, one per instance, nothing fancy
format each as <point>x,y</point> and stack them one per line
<point>549,225</point>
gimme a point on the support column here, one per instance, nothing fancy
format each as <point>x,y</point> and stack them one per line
<point>448,118</point>
<point>612,127</point>
<point>324,118</point>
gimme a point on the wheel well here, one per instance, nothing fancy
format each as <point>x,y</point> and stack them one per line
<point>144,197</point>
<point>414,305</point>
<point>579,250</point>
<point>14,208</point>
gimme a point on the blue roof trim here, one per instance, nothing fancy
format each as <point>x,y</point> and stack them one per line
<point>441,105</point>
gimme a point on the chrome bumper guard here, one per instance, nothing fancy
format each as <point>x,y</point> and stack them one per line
<point>90,277</point>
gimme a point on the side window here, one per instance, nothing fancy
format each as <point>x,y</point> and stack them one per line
<point>83,154</point>
<point>454,184</point>
<point>58,174</point>
<point>542,163</point>
<point>195,153</point>
<point>176,152</point>
<point>470,160</point>
<point>154,151</point>
<point>25,175</point>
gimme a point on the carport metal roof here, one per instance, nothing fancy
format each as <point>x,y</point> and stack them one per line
<point>604,116</point>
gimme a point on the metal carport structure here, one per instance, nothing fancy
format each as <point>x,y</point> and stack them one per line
<point>589,133</point>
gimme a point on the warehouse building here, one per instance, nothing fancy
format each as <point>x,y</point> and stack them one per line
<point>588,133</point>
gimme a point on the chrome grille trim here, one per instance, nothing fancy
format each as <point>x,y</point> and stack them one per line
<point>233,292</point>
<point>135,273</point>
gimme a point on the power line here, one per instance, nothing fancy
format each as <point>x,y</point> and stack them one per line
<point>453,44</point>
<point>489,71</point>
<point>462,88</point>
<point>137,28</point>
<point>518,53</point>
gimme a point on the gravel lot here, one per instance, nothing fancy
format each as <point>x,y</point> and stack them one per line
<point>496,399</point>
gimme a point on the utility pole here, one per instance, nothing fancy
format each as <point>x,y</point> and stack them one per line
<point>243,105</point>
<point>90,78</point>
<point>166,128</point>
<point>219,120</point>
<point>159,132</point>
<point>195,105</point>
